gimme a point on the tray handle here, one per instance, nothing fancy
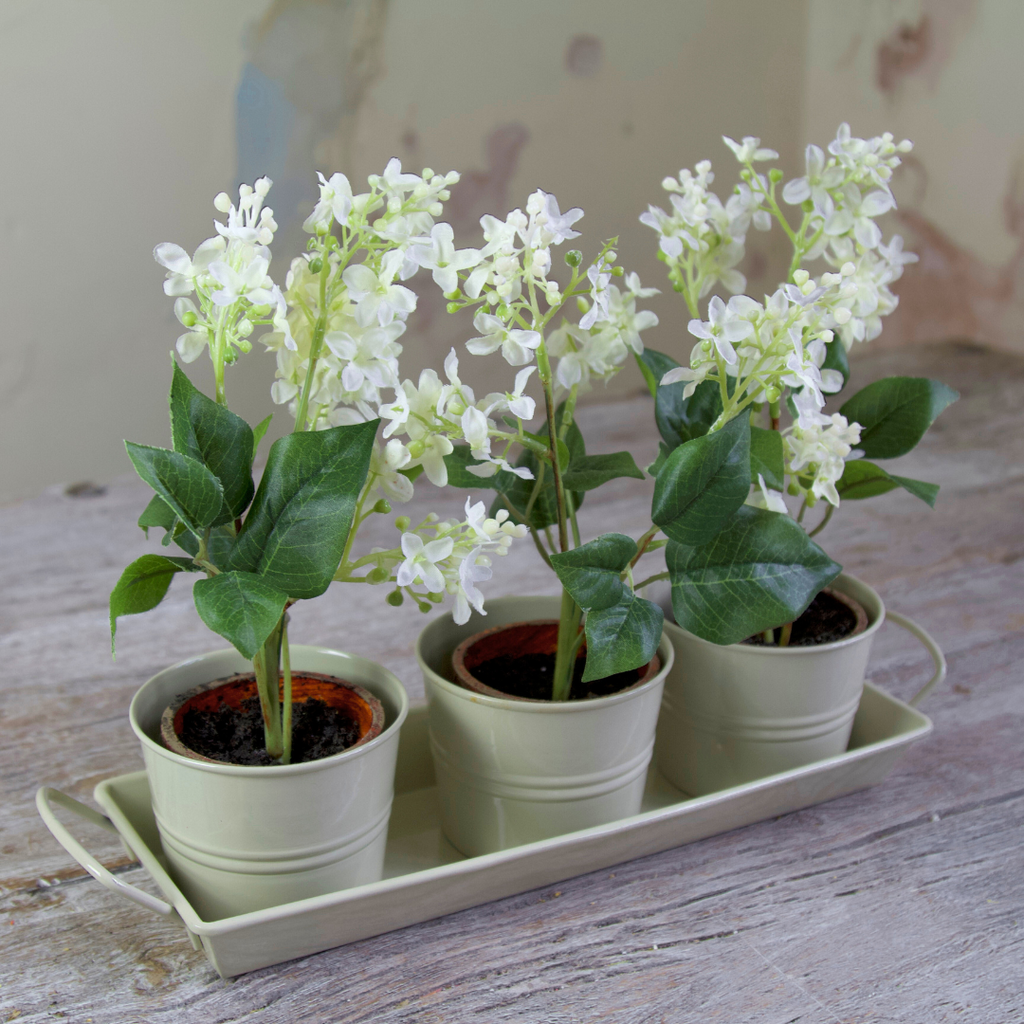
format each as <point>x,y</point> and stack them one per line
<point>45,798</point>
<point>938,658</point>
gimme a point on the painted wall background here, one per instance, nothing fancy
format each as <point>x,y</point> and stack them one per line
<point>128,118</point>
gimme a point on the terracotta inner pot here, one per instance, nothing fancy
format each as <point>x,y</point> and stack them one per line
<point>855,606</point>
<point>514,641</point>
<point>357,703</point>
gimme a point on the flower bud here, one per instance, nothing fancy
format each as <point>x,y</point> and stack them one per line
<point>244,328</point>
<point>435,598</point>
<point>403,523</point>
<point>378,575</point>
<point>807,206</point>
<point>611,256</point>
<point>427,173</point>
<point>382,507</point>
<point>243,345</point>
<point>188,318</point>
<point>793,488</point>
<point>435,209</point>
<point>772,394</point>
<point>707,345</point>
<point>453,295</point>
<point>316,265</point>
<point>417,448</point>
<point>573,258</point>
<point>618,272</point>
<point>581,304</point>
<point>424,607</point>
<point>395,599</point>
<point>775,175</point>
<point>222,202</point>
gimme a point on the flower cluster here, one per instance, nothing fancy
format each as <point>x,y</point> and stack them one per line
<point>229,275</point>
<point>445,557</point>
<point>756,351</point>
<point>816,449</point>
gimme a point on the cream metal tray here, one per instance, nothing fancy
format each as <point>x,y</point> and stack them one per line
<point>425,877</point>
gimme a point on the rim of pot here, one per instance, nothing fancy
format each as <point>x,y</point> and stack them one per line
<point>173,742</point>
<point>753,650</point>
<point>666,653</point>
<point>263,771</point>
<point>489,691</point>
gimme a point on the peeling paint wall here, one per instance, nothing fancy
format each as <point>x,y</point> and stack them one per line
<point>947,74</point>
<point>129,118</point>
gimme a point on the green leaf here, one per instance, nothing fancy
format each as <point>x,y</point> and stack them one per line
<point>459,476</point>
<point>621,637</point>
<point>761,571</point>
<point>863,479</point>
<point>702,483</point>
<point>241,607</point>
<point>663,453</point>
<point>258,432</point>
<point>296,530</point>
<point>219,544</point>
<point>766,457</point>
<point>157,513</point>
<point>680,419</point>
<point>590,573</point>
<point>142,586</point>
<point>194,494</point>
<point>213,435</point>
<point>894,413</point>
<point>589,471</point>
<point>836,359</point>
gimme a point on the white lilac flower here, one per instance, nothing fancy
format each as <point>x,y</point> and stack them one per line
<point>818,446</point>
<point>474,568</point>
<point>335,204</point>
<point>182,271</point>
<point>371,354</point>
<point>376,296</point>
<point>623,315</point>
<point>476,431</point>
<point>816,182</point>
<point>429,452</point>
<point>190,345</point>
<point>249,282</point>
<point>723,327</point>
<point>600,278</point>
<point>385,465</point>
<point>749,149</point>
<point>442,258</point>
<point>517,403</point>
<point>420,562</point>
<point>554,226</point>
<point>396,412</point>
<point>762,497</point>
<point>516,346</point>
<point>249,222</point>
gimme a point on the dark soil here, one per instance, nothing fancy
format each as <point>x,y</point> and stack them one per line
<point>530,675</point>
<point>827,619</point>
<point>236,737</point>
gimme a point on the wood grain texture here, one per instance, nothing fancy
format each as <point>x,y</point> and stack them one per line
<point>901,903</point>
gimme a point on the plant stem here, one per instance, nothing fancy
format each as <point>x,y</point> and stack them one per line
<point>787,632</point>
<point>650,579</point>
<point>286,696</point>
<point>266,664</point>
<point>824,521</point>
<point>314,349</point>
<point>568,632</point>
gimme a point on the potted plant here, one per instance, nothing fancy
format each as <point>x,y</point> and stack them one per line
<point>271,766</point>
<point>544,723</point>
<point>755,692</point>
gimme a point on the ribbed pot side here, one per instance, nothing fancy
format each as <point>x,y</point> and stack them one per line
<point>733,714</point>
<point>511,772</point>
<point>241,838</point>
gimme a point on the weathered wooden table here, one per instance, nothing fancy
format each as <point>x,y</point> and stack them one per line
<point>900,903</point>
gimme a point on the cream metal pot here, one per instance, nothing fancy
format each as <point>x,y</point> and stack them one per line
<point>242,838</point>
<point>511,772</point>
<point>733,714</point>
